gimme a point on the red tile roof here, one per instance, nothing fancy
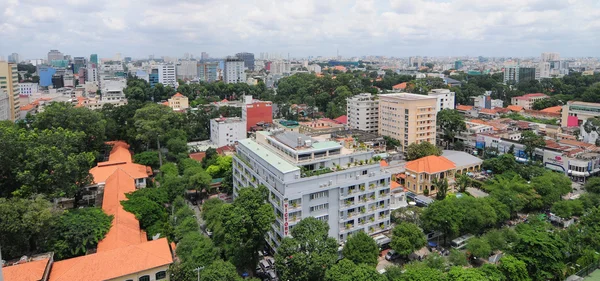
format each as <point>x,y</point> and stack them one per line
<point>529,96</point>
<point>178,95</point>
<point>342,119</point>
<point>487,111</point>
<point>119,158</point>
<point>554,109</point>
<point>463,107</point>
<point>516,108</point>
<point>198,156</point>
<point>29,271</point>
<point>114,263</point>
<point>430,164</point>
<point>400,86</point>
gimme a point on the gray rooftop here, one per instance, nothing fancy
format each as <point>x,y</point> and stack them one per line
<point>461,158</point>
<point>271,157</point>
<point>292,139</point>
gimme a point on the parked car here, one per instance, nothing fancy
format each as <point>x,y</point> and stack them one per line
<point>391,255</point>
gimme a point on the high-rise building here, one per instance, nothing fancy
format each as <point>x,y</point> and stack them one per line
<point>55,55</point>
<point>409,118</point>
<point>516,74</point>
<point>4,105</point>
<point>9,82</point>
<point>248,59</point>
<point>153,77</point>
<point>280,67</point>
<point>207,71</point>
<point>94,58</point>
<point>256,111</point>
<point>92,72</point>
<point>187,70</point>
<point>458,64</point>
<point>58,81</point>
<point>314,177</point>
<point>78,62</point>
<point>445,98</point>
<point>363,113</point>
<point>233,71</point>
<point>545,57</point>
<point>45,73</point>
<point>14,58</point>
<point>167,75</point>
<point>415,62</point>
<point>227,131</point>
<point>204,56</point>
<point>544,69</point>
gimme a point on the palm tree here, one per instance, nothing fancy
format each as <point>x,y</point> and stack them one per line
<point>463,181</point>
<point>441,186</point>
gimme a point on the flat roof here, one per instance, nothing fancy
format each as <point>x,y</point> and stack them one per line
<point>407,96</point>
<point>279,163</point>
<point>461,158</point>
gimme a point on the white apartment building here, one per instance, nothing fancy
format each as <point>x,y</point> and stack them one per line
<point>29,88</point>
<point>445,98</point>
<point>234,71</point>
<point>280,67</point>
<point>409,118</point>
<point>315,177</point>
<point>69,80</point>
<point>92,73</point>
<point>226,131</point>
<point>166,75</point>
<point>363,112</point>
<point>314,68</point>
<point>187,70</point>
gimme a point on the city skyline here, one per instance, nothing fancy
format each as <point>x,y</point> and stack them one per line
<point>398,28</point>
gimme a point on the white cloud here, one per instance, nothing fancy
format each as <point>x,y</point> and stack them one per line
<point>301,27</point>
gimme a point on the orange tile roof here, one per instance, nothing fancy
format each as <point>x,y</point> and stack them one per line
<point>178,95</point>
<point>487,111</point>
<point>430,164</point>
<point>198,156</point>
<point>114,263</point>
<point>382,163</point>
<point>119,158</point>
<point>125,229</point>
<point>553,109</point>
<point>400,86</point>
<point>394,185</point>
<point>28,107</point>
<point>29,271</point>
<point>515,108</point>
<point>464,107</point>
<point>165,103</point>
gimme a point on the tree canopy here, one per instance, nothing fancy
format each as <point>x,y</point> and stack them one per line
<point>415,151</point>
<point>407,238</point>
<point>360,248</point>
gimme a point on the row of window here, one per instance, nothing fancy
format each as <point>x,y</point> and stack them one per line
<point>319,207</point>
<point>318,195</point>
<point>159,276</point>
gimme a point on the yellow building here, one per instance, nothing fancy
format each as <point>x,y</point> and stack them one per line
<point>179,102</point>
<point>421,173</point>
<point>409,118</point>
<point>9,81</point>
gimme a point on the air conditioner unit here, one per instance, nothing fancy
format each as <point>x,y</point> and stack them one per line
<point>330,182</point>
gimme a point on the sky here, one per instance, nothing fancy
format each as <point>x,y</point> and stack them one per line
<point>399,28</point>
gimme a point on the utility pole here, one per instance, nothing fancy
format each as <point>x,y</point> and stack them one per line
<point>198,269</point>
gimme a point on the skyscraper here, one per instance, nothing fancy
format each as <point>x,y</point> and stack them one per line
<point>517,74</point>
<point>233,71</point>
<point>207,71</point>
<point>14,58</point>
<point>204,56</point>
<point>55,55</point>
<point>248,59</point>
<point>9,82</point>
<point>550,57</point>
<point>94,58</point>
<point>78,62</point>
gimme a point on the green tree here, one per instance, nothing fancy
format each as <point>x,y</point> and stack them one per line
<point>592,185</point>
<point>407,238</point>
<point>452,123</point>
<point>551,186</point>
<point>444,216</point>
<point>531,141</point>
<point>76,119</point>
<point>361,248</point>
<point>457,273</point>
<point>513,268</point>
<point>148,158</point>
<point>457,258</point>
<point>479,248</point>
<point>152,121</point>
<point>568,208</point>
<point>441,185</point>
<point>420,272</point>
<point>308,254</point>
<point>147,205</point>
<point>501,164</point>
<point>220,271</point>
<point>245,223</point>
<point>541,250</point>
<point>78,231</point>
<point>24,224</point>
<point>346,270</point>
<point>463,181</point>
<point>416,151</point>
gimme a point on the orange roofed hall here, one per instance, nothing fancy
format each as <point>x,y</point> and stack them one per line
<point>124,253</point>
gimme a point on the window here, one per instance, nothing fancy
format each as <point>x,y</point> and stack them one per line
<point>145,278</point>
<point>323,218</point>
<point>319,207</point>
<point>318,195</point>
<point>161,275</point>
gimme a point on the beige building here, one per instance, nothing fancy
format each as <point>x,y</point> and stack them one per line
<point>179,102</point>
<point>409,118</point>
<point>574,113</point>
<point>9,81</point>
<point>527,101</point>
